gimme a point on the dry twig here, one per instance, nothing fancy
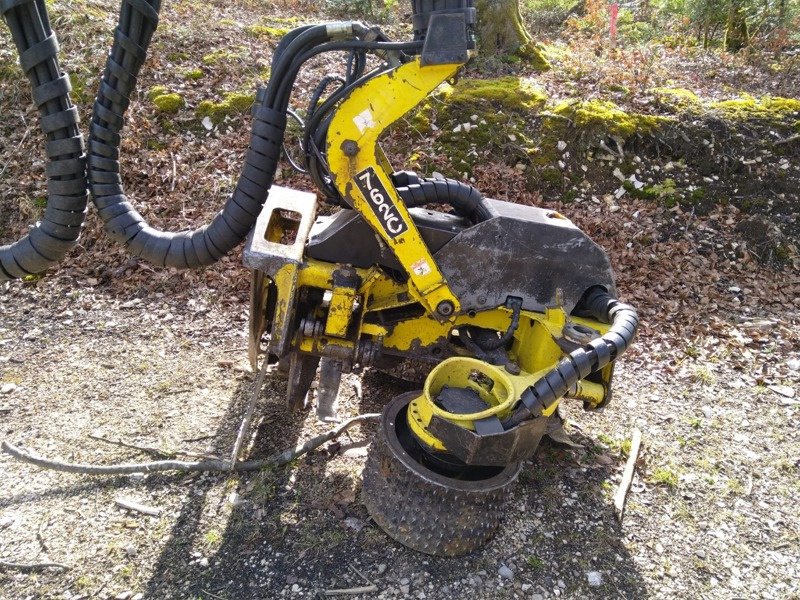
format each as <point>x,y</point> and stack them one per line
<point>789,140</point>
<point>248,413</point>
<point>367,589</point>
<point>136,507</point>
<point>276,460</point>
<point>627,476</point>
<point>31,566</point>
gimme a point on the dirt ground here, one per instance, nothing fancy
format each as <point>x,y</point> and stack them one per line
<point>110,347</point>
<point>712,512</point>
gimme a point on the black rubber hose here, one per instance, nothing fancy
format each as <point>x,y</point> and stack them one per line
<point>60,227</point>
<point>467,201</point>
<point>137,23</point>
<point>581,362</point>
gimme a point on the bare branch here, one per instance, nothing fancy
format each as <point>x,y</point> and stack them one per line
<point>136,507</point>
<point>248,413</point>
<point>627,476</point>
<point>31,566</point>
<point>276,460</point>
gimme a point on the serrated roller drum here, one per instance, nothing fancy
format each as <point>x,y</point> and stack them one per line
<point>425,510</point>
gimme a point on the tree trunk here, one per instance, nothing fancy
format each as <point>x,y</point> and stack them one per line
<point>501,31</point>
<point>736,34</point>
<point>500,26</point>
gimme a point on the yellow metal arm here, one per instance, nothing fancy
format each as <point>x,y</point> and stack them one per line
<point>360,175</point>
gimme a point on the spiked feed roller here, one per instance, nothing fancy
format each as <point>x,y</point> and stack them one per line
<point>509,309</point>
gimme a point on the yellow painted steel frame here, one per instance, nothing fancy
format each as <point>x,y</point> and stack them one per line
<point>533,349</point>
<point>360,172</point>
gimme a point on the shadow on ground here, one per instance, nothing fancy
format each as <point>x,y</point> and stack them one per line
<point>302,529</point>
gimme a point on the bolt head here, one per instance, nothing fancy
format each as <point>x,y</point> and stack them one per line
<point>445,308</point>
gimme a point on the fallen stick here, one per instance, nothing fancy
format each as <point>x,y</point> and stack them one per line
<point>207,466</point>
<point>248,413</point>
<point>32,566</point>
<point>627,476</point>
<point>789,140</point>
<point>136,507</point>
<point>369,589</point>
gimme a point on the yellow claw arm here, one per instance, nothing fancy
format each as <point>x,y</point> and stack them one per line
<point>360,174</point>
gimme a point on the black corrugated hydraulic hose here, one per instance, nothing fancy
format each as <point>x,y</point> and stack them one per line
<point>581,362</point>
<point>137,23</point>
<point>204,246</point>
<point>466,200</point>
<point>60,227</point>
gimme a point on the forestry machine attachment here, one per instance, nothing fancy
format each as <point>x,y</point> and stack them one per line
<point>510,309</point>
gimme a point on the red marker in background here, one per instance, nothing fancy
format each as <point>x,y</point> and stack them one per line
<point>613,9</point>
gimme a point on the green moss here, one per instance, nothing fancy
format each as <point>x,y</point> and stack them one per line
<point>156,91</point>
<point>264,31</point>
<point>796,126</point>
<point>677,99</point>
<point>606,118</point>
<point>535,56</point>
<point>169,103</point>
<point>232,104</point>
<point>177,56</point>
<point>665,192</point>
<point>505,93</point>
<point>222,56</point>
<point>194,74</point>
<point>82,87</point>
<point>766,108</point>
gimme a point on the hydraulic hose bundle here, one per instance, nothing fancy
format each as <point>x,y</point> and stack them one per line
<point>581,362</point>
<point>60,227</point>
<point>203,246</point>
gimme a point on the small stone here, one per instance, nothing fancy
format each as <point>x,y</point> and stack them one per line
<point>295,588</point>
<point>404,589</point>
<point>525,587</point>
<point>138,596</point>
<point>381,568</point>
<point>123,595</point>
<point>6,522</point>
<point>353,523</point>
<point>207,123</point>
<point>707,412</point>
<point>405,581</point>
<point>794,364</point>
<point>7,388</point>
<point>203,562</point>
<point>595,578</point>
<point>505,573</point>
<point>783,390</point>
<point>131,551</point>
<point>537,597</point>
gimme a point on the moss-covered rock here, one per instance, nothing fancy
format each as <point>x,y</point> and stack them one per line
<point>766,108</point>
<point>677,99</point>
<point>169,103</point>
<point>234,103</point>
<point>607,119</point>
<point>505,93</point>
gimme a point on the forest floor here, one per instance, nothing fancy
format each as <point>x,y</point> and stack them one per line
<point>109,346</point>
